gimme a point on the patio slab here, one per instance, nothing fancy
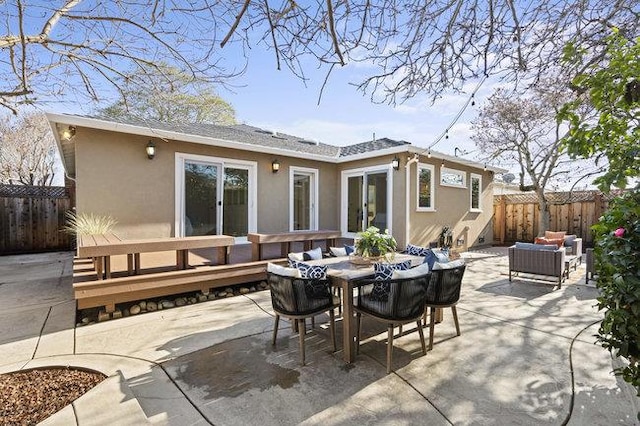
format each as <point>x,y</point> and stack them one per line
<point>213,362</point>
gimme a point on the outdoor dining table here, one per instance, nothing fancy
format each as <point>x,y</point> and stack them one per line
<point>342,272</point>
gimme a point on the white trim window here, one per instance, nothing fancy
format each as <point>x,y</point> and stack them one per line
<point>303,199</point>
<point>452,177</point>
<point>475,193</point>
<point>425,188</point>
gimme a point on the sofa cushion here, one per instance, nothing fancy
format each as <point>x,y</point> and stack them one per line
<point>552,235</point>
<point>559,242</point>
<point>282,271</point>
<point>532,246</point>
<point>411,273</point>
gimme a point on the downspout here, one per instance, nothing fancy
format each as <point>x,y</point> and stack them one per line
<point>407,209</point>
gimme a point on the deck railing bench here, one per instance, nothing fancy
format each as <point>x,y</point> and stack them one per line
<point>258,240</point>
<point>101,247</point>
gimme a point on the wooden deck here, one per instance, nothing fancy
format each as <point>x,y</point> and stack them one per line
<point>159,277</point>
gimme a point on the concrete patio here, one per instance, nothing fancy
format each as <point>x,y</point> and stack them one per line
<point>526,356</point>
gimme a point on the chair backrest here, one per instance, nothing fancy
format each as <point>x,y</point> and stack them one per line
<point>405,297</point>
<point>444,286</point>
<point>299,296</point>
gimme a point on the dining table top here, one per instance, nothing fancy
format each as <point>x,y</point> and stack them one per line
<point>346,268</point>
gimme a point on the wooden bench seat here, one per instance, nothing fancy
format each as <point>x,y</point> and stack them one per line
<point>286,238</point>
<point>101,247</point>
<point>108,292</point>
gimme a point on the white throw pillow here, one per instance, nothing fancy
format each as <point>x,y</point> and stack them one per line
<point>448,265</point>
<point>282,271</point>
<point>338,251</point>
<point>418,271</point>
<point>315,254</point>
<point>298,257</point>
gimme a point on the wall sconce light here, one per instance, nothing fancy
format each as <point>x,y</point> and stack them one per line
<point>429,153</point>
<point>151,150</point>
<point>395,163</point>
<point>69,132</point>
<point>275,166</point>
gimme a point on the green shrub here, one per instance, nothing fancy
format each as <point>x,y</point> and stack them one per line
<point>617,265</point>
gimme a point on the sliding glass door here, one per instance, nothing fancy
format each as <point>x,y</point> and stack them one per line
<point>214,197</point>
<point>366,200</point>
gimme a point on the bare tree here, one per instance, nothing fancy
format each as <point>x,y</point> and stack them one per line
<point>523,132</point>
<point>409,46</point>
<point>27,150</point>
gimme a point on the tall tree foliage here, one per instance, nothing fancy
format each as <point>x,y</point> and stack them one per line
<point>408,46</point>
<point>612,132</point>
<point>171,96</point>
<point>27,150</point>
<point>522,131</point>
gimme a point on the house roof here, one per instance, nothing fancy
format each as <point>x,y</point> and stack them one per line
<point>239,136</point>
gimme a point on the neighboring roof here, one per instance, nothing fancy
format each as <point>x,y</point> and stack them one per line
<point>370,146</point>
<point>239,136</point>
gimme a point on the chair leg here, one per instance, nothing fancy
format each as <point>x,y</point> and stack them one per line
<point>332,320</point>
<point>389,347</point>
<point>275,329</point>
<point>301,333</point>
<point>358,321</point>
<point>424,347</point>
<point>432,327</point>
<point>455,319</point>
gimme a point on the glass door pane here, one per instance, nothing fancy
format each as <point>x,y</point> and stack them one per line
<point>302,202</point>
<point>354,204</point>
<point>376,201</point>
<point>200,199</point>
<point>235,202</point>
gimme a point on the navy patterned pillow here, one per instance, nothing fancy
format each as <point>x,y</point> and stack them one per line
<point>349,249</point>
<point>417,250</point>
<point>318,272</point>
<point>383,272</point>
<point>434,256</point>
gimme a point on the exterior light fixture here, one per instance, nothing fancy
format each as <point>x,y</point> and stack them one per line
<point>275,166</point>
<point>395,163</point>
<point>69,132</point>
<point>151,150</point>
<point>429,153</point>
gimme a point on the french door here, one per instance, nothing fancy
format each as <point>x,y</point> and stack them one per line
<point>214,197</point>
<point>303,213</point>
<point>366,200</point>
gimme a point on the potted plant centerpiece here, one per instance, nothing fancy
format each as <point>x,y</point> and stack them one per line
<point>372,245</point>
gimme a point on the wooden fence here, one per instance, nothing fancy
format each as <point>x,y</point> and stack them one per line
<point>515,216</point>
<point>32,218</point>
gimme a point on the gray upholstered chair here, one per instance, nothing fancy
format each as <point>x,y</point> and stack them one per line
<point>443,292</point>
<point>401,301</point>
<point>301,298</point>
<point>537,259</point>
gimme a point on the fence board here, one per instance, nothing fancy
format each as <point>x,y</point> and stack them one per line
<point>516,216</point>
<point>32,219</point>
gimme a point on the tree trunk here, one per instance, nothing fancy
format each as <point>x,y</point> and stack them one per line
<point>545,216</point>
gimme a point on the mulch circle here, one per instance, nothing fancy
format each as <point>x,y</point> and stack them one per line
<point>27,397</point>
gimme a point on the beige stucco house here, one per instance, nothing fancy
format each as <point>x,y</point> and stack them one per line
<point>233,180</point>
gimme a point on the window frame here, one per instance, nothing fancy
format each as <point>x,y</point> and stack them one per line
<point>446,170</point>
<point>431,168</point>
<point>479,178</point>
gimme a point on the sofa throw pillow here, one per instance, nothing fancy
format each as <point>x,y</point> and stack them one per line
<point>314,254</point>
<point>295,257</point>
<point>435,255</point>
<point>417,250</point>
<point>349,249</point>
<point>283,271</point>
<point>382,273</point>
<point>338,251</point>
<point>551,235</point>
<point>548,241</point>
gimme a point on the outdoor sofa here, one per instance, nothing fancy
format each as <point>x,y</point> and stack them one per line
<point>537,259</point>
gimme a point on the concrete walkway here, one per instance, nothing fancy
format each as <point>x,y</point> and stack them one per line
<point>526,356</point>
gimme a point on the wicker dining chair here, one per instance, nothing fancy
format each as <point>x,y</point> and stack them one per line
<point>401,302</point>
<point>301,298</point>
<point>443,292</point>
